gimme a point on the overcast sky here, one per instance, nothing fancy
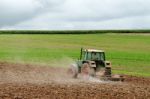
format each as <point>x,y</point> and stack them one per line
<point>74,14</point>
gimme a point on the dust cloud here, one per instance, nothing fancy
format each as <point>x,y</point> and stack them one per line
<point>47,73</point>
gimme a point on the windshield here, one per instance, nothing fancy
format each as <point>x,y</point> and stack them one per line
<point>94,56</point>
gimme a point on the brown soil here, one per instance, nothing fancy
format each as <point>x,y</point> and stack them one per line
<point>18,81</point>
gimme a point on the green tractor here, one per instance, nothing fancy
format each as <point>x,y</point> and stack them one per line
<point>92,63</point>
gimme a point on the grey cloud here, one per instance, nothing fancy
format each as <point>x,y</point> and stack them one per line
<point>74,14</point>
<point>138,22</point>
<point>99,10</point>
<point>15,11</point>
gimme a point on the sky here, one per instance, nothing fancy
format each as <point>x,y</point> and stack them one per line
<point>74,14</point>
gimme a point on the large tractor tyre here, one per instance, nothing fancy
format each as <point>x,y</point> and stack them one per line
<point>73,71</point>
<point>85,69</point>
<point>108,71</point>
<point>92,72</point>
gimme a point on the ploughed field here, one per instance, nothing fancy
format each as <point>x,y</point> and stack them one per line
<point>25,81</point>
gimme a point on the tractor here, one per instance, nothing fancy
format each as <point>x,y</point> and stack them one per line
<point>93,63</point>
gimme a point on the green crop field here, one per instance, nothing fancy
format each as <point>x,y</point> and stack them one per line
<point>129,53</point>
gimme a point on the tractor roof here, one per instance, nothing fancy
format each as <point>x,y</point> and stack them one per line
<point>93,50</point>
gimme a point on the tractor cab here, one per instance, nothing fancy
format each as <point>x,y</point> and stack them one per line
<point>93,56</point>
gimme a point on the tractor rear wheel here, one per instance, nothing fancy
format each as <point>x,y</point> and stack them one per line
<point>108,71</point>
<point>73,71</point>
<point>85,69</point>
<point>92,72</point>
